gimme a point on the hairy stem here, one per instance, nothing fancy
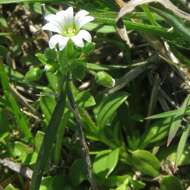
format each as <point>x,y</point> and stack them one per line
<point>85,150</point>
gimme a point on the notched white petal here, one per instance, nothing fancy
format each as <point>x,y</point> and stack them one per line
<point>69,15</point>
<point>59,40</point>
<point>81,14</point>
<point>85,35</point>
<point>60,13</point>
<point>78,40</point>
<point>67,25</point>
<point>51,27</point>
<point>84,20</point>
<point>51,18</point>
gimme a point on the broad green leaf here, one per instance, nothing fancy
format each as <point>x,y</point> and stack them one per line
<point>47,104</point>
<point>108,108</point>
<point>24,153</point>
<point>53,80</point>
<point>21,149</point>
<point>124,185</point>
<point>145,162</point>
<point>115,181</point>
<point>137,184</point>
<point>78,70</point>
<point>170,183</point>
<point>104,79</point>
<point>106,163</point>
<point>33,74</point>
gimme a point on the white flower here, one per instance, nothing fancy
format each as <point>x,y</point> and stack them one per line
<point>68,26</point>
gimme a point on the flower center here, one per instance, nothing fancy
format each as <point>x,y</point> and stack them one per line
<point>70,30</point>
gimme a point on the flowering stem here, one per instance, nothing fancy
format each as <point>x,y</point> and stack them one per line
<point>85,150</point>
<point>46,147</point>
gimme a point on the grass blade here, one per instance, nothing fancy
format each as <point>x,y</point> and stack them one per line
<point>49,138</point>
<point>19,116</point>
<point>182,143</point>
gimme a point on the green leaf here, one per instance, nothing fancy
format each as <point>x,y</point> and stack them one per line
<point>84,99</point>
<point>171,113</point>
<point>182,143</point>
<point>60,137</point>
<point>176,123</point>
<point>53,80</point>
<point>91,128</point>
<point>77,172</point>
<point>88,48</point>
<point>47,104</point>
<point>169,154</point>
<point>156,132</point>
<point>48,141</point>
<point>104,79</point>
<point>113,180</point>
<point>176,22</point>
<point>170,183</point>
<point>106,163</point>
<point>38,140</point>
<point>23,1</point>
<point>21,120</point>
<point>53,183</point>
<point>124,185</point>
<point>78,69</point>
<point>24,153</point>
<point>10,187</point>
<point>145,162</point>
<point>108,108</point>
<point>33,74</point>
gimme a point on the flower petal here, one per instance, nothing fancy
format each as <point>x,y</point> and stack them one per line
<point>85,35</point>
<point>51,27</point>
<point>55,19</point>
<point>81,21</point>
<point>51,18</point>
<point>60,13</point>
<point>59,40</point>
<point>67,15</point>
<point>81,14</point>
<point>78,40</point>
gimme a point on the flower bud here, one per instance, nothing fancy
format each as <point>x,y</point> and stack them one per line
<point>105,79</point>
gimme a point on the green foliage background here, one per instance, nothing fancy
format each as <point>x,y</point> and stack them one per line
<point>137,131</point>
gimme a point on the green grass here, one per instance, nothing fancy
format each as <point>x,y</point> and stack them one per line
<point>136,132</point>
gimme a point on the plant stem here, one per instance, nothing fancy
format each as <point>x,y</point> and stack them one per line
<point>85,150</point>
<point>49,139</point>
